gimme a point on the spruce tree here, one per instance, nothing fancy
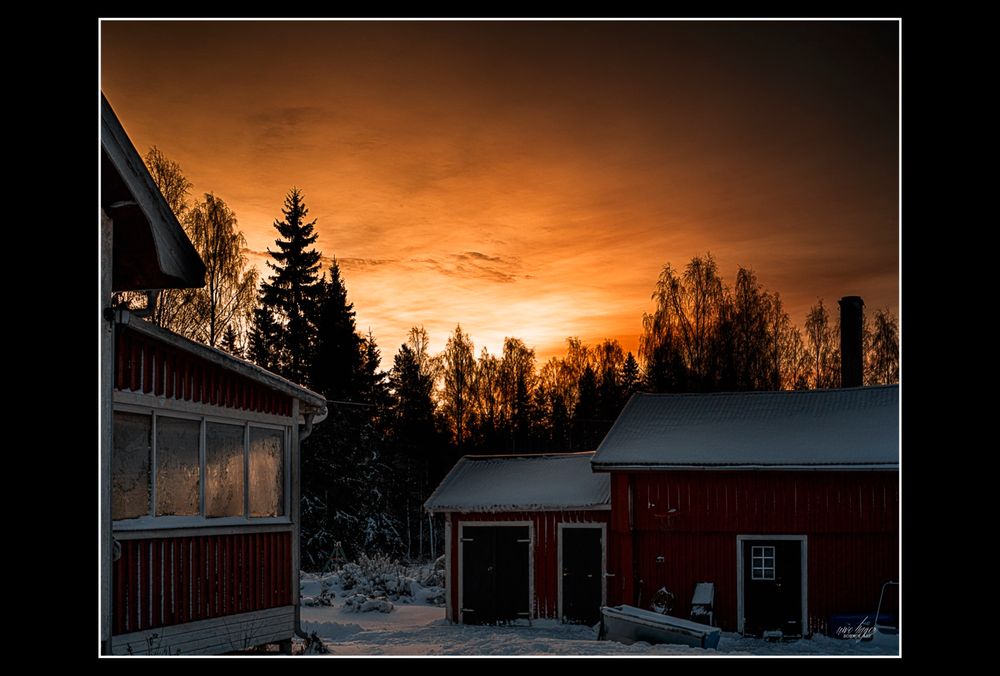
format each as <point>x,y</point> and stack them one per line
<point>264,347</point>
<point>229,343</point>
<point>294,288</point>
<point>631,376</point>
<point>337,362</point>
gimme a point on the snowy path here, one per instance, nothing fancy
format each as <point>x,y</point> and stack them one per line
<point>422,630</point>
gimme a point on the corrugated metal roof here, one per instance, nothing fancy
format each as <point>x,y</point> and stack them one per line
<point>500,483</point>
<point>850,428</point>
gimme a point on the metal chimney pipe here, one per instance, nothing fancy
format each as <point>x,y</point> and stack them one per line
<point>851,348</point>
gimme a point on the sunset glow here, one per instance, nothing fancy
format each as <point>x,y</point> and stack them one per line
<point>531,179</point>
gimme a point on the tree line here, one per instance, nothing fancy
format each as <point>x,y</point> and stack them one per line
<point>391,435</point>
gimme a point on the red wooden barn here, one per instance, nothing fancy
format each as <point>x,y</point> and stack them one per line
<point>525,537</point>
<point>787,502</point>
<point>199,452</point>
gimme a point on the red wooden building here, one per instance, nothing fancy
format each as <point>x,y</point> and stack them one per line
<point>787,501</point>
<point>525,538</point>
<point>199,452</point>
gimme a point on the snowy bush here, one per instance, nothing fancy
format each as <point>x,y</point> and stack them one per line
<point>360,603</point>
<point>324,597</point>
<point>433,574</point>
<point>376,576</point>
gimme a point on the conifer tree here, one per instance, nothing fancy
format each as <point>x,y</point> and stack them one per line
<point>294,287</point>
<point>336,364</point>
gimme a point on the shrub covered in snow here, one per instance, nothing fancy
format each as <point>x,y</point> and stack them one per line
<point>376,576</point>
<point>360,603</point>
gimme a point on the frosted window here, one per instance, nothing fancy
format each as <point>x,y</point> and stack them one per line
<point>762,563</point>
<point>130,482</point>
<point>178,466</point>
<point>223,470</point>
<point>267,479</point>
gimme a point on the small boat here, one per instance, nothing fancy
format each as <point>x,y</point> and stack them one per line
<point>628,624</point>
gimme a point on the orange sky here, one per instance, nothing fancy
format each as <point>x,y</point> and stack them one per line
<point>532,178</point>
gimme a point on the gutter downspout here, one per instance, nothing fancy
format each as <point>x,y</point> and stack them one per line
<point>304,431</point>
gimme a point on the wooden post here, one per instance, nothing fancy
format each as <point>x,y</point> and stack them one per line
<point>107,329</point>
<point>294,470</point>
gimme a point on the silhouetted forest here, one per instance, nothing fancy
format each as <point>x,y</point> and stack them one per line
<point>391,435</point>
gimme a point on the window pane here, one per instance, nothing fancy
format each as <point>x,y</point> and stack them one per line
<point>178,466</point>
<point>223,470</point>
<point>267,479</point>
<point>130,475</point>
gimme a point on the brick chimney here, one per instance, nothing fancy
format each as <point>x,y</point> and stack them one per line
<point>851,348</point>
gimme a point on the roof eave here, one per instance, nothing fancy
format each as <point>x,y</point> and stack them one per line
<point>313,401</point>
<point>861,467</point>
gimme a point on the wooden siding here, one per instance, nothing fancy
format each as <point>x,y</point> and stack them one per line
<point>165,581</point>
<point>213,636</point>
<point>545,556</point>
<point>146,365</point>
<point>691,519</point>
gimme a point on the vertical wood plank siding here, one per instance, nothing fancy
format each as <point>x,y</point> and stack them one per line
<point>692,519</point>
<point>143,364</point>
<point>545,557</point>
<point>166,581</point>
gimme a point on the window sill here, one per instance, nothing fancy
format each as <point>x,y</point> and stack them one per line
<point>174,522</point>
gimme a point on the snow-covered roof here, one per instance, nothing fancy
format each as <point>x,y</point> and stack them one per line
<point>512,483</point>
<point>851,428</point>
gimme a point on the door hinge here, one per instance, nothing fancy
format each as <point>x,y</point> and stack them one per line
<point>467,540</point>
<point>528,540</point>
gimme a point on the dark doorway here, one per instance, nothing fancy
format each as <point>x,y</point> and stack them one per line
<point>772,587</point>
<point>581,575</point>
<point>495,574</point>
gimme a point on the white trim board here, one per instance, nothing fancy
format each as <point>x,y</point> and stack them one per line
<point>532,611</point>
<point>213,636</point>
<point>161,403</point>
<point>803,562</point>
<point>559,558</point>
<point>448,613</point>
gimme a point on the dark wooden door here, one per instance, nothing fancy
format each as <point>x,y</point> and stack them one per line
<point>772,587</point>
<point>581,575</point>
<point>495,574</point>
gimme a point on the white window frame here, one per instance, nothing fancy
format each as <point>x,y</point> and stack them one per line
<point>766,572</point>
<point>242,418</point>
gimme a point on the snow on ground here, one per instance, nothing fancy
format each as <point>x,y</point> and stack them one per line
<point>419,628</point>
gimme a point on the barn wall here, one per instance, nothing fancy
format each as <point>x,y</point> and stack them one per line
<point>166,581</point>
<point>545,555</point>
<point>149,366</point>
<point>692,519</point>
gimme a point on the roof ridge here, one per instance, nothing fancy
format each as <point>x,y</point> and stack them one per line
<point>832,390</point>
<point>503,456</point>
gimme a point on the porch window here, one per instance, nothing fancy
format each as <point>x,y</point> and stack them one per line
<point>130,474</point>
<point>178,466</point>
<point>176,469</point>
<point>267,479</point>
<point>224,469</point>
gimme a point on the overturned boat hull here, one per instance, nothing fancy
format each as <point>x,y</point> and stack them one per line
<point>627,624</point>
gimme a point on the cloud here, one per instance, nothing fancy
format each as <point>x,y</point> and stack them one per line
<point>480,256</point>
